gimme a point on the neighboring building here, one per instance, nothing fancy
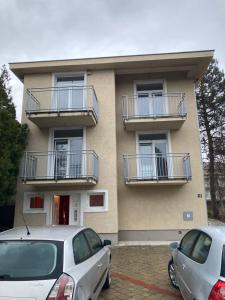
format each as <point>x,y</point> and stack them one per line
<point>219,184</point>
<point>113,144</point>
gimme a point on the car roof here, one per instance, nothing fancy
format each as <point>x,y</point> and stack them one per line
<point>53,232</point>
<point>215,231</point>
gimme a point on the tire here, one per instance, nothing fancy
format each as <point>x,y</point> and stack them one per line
<point>108,280</point>
<point>172,274</point>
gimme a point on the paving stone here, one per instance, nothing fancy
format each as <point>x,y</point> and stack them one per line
<point>145,274</point>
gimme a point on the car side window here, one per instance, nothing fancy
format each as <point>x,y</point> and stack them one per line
<point>201,249</point>
<point>188,242</point>
<point>81,248</point>
<point>93,240</point>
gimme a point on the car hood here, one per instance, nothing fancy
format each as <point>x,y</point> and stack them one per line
<point>25,290</point>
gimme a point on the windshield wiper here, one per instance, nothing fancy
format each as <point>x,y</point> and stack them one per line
<point>5,276</point>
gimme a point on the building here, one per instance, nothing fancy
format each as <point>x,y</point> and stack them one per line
<point>219,185</point>
<point>113,144</point>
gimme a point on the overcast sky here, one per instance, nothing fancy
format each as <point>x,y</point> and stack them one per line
<point>58,29</point>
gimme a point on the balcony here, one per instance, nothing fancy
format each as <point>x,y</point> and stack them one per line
<point>62,106</point>
<point>161,169</point>
<point>59,168</point>
<point>162,111</point>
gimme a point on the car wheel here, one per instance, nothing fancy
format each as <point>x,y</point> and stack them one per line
<point>172,274</point>
<point>108,279</point>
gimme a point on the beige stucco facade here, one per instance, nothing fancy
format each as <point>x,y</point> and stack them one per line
<point>132,212</point>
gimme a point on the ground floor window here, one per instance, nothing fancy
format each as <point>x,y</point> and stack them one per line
<point>34,203</point>
<point>37,202</point>
<point>96,200</point>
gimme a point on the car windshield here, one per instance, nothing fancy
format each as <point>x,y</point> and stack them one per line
<point>30,260</point>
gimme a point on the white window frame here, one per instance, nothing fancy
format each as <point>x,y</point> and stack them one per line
<point>97,208</point>
<point>26,203</point>
<point>69,74</point>
<point>168,137</point>
<point>136,82</point>
<point>51,146</point>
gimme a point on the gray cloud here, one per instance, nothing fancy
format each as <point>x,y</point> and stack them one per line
<point>55,29</point>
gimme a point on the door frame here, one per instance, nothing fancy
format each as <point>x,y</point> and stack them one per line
<point>51,144</point>
<point>49,217</point>
<point>136,82</point>
<point>68,74</point>
<point>168,138</point>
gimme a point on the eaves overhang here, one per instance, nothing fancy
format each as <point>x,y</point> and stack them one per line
<point>193,63</point>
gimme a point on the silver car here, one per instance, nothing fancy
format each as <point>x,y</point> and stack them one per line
<point>197,266</point>
<point>53,263</point>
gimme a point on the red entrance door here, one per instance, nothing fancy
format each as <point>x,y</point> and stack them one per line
<point>64,210</point>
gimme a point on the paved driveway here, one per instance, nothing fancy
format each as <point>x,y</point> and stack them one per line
<point>139,273</point>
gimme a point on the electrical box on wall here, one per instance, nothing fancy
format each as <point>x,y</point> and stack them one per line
<point>188,216</point>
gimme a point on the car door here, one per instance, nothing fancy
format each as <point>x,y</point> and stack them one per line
<point>100,256</point>
<point>86,267</point>
<point>180,262</point>
<point>197,270</point>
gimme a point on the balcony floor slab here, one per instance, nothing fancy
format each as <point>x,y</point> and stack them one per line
<point>62,119</point>
<point>157,182</point>
<point>153,123</point>
<point>63,182</point>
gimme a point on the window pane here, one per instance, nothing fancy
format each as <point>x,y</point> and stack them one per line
<point>96,200</point>
<point>93,240</point>
<point>188,241</point>
<point>148,137</point>
<point>201,248</point>
<point>81,249</point>
<point>223,262</point>
<point>70,78</point>
<point>37,202</point>
<point>30,260</point>
<point>150,86</point>
<point>68,133</point>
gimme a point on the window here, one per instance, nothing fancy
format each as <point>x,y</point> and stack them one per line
<point>36,202</point>
<point>154,86</point>
<point>201,249</point>
<point>93,240</point>
<point>96,200</point>
<point>65,133</point>
<point>188,242</point>
<point>30,260</point>
<point>80,248</point>
<point>222,273</point>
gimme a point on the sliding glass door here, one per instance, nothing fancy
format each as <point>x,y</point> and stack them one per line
<point>152,159</point>
<point>69,93</point>
<point>68,157</point>
<point>150,100</point>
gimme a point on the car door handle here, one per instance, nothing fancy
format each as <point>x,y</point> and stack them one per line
<point>100,265</point>
<point>183,266</point>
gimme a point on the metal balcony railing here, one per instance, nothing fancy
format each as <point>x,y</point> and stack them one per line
<point>155,106</point>
<point>59,165</point>
<point>168,166</point>
<point>62,99</point>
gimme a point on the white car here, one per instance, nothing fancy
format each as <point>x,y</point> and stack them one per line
<point>197,266</point>
<point>53,263</point>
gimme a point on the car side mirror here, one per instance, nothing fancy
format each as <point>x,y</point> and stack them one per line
<point>107,243</point>
<point>174,246</point>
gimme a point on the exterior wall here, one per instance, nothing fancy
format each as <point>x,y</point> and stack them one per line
<point>143,212</point>
<point>104,84</point>
<point>152,207</point>
<point>102,139</point>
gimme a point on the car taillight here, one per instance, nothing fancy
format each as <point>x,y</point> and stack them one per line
<point>218,291</point>
<point>62,289</point>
